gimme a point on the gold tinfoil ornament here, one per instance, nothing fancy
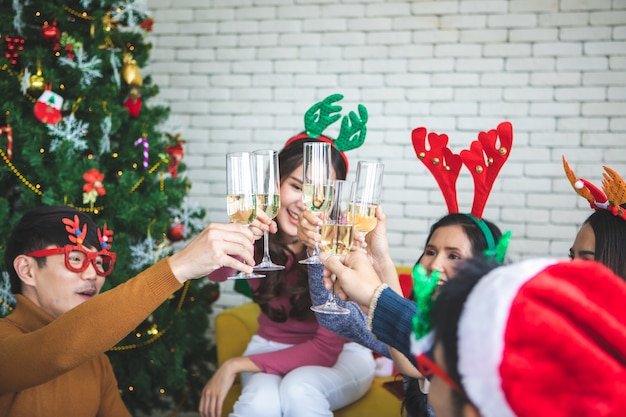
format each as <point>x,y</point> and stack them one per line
<point>130,71</point>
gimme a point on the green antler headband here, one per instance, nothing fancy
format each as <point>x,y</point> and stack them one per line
<point>424,286</point>
<point>324,113</point>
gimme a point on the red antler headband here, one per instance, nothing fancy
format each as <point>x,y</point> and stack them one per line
<point>613,196</point>
<point>484,159</point>
<point>77,234</point>
<point>323,114</point>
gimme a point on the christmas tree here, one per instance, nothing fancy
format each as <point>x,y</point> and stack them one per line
<point>76,129</point>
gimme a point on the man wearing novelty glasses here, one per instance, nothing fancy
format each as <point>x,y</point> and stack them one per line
<point>52,345</point>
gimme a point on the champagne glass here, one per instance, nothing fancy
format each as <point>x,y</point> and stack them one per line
<point>317,189</point>
<point>241,195</point>
<point>267,198</point>
<point>366,194</point>
<point>337,236</point>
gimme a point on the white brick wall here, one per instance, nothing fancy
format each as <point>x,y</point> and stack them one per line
<point>239,74</point>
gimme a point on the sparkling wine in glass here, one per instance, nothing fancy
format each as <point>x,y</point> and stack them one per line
<point>366,195</point>
<point>317,188</point>
<point>337,237</point>
<point>267,198</point>
<point>241,195</point>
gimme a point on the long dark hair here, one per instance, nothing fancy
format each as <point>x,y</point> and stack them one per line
<point>610,234</point>
<point>415,402</point>
<point>446,312</point>
<point>289,159</point>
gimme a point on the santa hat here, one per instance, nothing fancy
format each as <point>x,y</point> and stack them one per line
<point>545,338</point>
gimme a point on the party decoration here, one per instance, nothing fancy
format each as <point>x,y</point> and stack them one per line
<point>321,115</point>
<point>50,33</point>
<point>176,153</point>
<point>7,299</point>
<point>12,48</point>
<point>131,13</point>
<point>147,24</point>
<point>484,160</point>
<point>70,130</point>
<point>424,286</point>
<point>131,72</point>
<point>48,107</point>
<point>176,232</point>
<point>93,186</point>
<point>37,82</point>
<point>610,197</point>
<point>143,141</point>
<point>133,103</point>
<point>109,24</point>
<point>89,67</point>
<point>9,132</point>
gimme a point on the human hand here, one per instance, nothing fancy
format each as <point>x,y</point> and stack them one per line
<point>377,242</point>
<point>261,224</point>
<point>215,391</point>
<point>356,278</point>
<point>216,246</point>
<point>308,228</point>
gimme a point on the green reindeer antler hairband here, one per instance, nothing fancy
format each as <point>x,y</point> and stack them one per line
<point>325,113</point>
<point>424,286</point>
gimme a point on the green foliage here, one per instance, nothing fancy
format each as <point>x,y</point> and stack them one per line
<point>138,203</point>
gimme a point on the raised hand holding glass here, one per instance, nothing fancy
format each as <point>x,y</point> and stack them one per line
<point>337,237</point>
<point>317,190</point>
<point>366,195</point>
<point>241,195</point>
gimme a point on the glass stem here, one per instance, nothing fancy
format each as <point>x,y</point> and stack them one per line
<point>316,248</point>
<point>331,293</point>
<point>266,248</point>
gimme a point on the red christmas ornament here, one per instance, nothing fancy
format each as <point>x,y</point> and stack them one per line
<point>50,33</point>
<point>48,107</point>
<point>133,103</point>
<point>176,232</point>
<point>176,153</point>
<point>12,47</point>
<point>147,24</point>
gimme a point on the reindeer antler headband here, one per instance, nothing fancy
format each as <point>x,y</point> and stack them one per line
<point>613,196</point>
<point>76,234</point>
<point>323,114</point>
<point>484,159</point>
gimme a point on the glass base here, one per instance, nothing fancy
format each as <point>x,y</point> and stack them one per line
<point>313,260</point>
<point>330,308</point>
<point>268,266</point>
<point>242,275</point>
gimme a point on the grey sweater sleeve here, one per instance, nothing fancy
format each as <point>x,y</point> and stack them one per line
<point>352,326</point>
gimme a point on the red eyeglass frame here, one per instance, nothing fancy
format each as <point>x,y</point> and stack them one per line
<point>91,257</point>
<point>428,367</point>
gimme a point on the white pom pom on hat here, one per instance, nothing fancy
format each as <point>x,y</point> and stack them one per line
<point>543,338</point>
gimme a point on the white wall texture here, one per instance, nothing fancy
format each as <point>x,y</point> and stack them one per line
<point>239,75</point>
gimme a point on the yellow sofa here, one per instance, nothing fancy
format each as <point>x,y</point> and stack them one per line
<point>234,328</point>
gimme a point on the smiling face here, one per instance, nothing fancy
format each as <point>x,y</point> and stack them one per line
<point>291,204</point>
<point>447,246</point>
<point>584,246</point>
<point>56,289</point>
